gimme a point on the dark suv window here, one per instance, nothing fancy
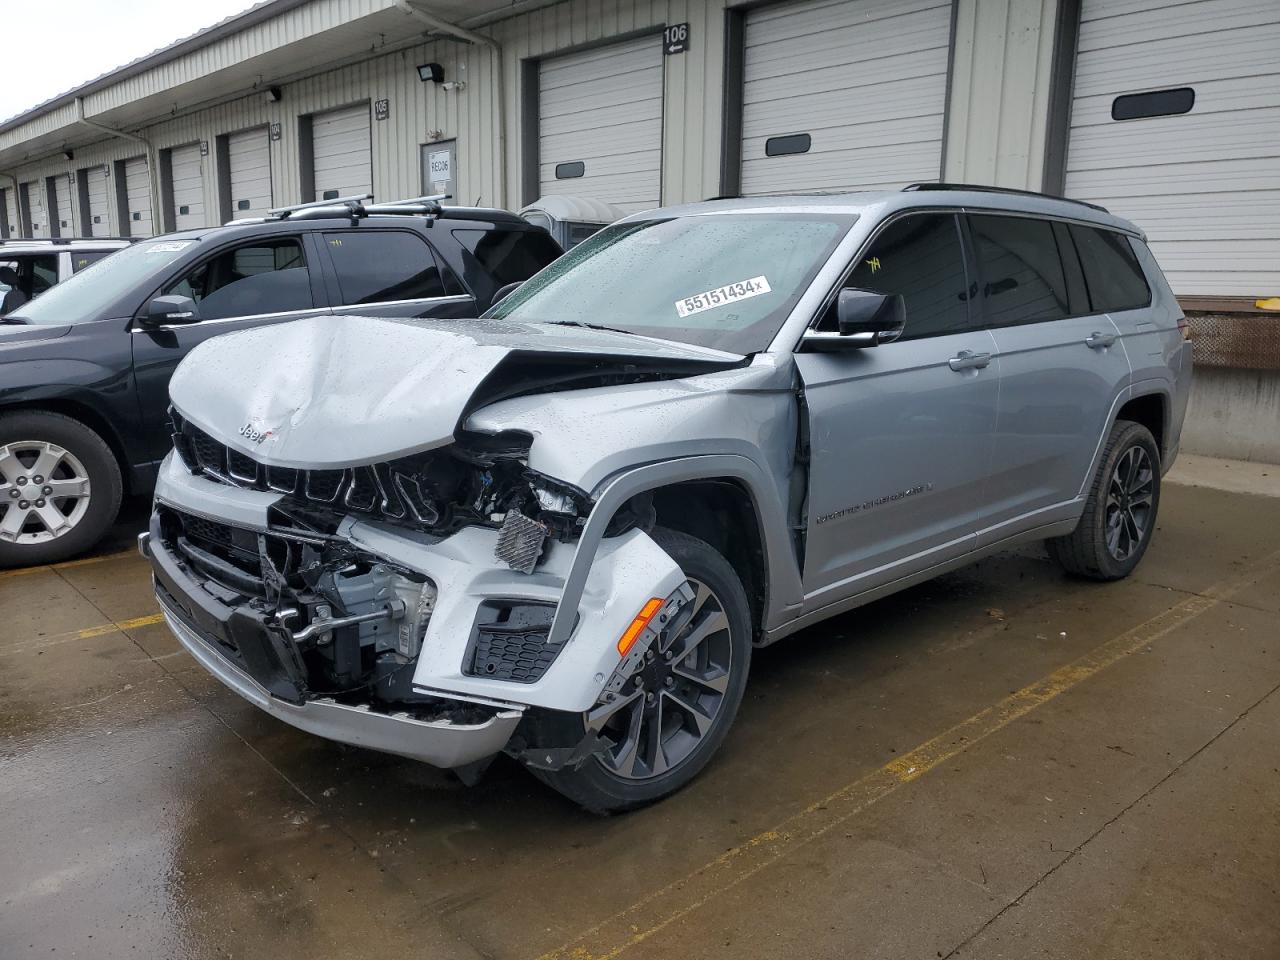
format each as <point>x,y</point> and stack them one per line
<point>1111,270</point>
<point>509,255</point>
<point>378,266</point>
<point>265,277</point>
<point>1022,276</point>
<point>918,256</point>
<point>87,258</point>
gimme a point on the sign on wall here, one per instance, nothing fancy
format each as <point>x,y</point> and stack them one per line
<point>439,168</point>
<point>675,38</point>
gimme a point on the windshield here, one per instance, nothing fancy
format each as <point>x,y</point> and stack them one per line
<point>725,281</point>
<point>86,294</point>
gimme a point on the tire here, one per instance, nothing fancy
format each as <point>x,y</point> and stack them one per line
<point>1120,515</point>
<point>597,783</point>
<point>83,466</point>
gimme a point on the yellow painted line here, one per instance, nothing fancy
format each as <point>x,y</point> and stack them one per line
<point>657,911</point>
<point>69,564</point>
<point>86,633</point>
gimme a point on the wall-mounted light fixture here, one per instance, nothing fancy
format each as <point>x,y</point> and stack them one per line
<point>273,95</point>
<point>68,155</point>
<point>431,71</point>
<point>453,85</point>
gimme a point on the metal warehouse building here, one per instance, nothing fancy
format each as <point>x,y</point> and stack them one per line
<point>1165,111</point>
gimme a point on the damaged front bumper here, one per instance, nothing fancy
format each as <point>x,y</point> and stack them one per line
<point>481,661</point>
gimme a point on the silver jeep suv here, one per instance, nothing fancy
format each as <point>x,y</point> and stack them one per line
<point>558,531</point>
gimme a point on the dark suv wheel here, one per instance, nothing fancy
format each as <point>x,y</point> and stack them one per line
<point>664,729</point>
<point>60,488</point>
<point>1120,514</point>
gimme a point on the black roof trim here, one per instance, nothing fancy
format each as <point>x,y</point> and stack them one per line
<point>980,188</point>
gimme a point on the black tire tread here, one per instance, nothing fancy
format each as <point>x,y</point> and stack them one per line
<point>1083,552</point>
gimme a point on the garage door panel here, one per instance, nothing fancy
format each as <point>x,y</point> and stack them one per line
<point>137,182</point>
<point>883,167</point>
<point>342,152</point>
<point>866,81</point>
<point>1253,133</point>
<point>603,107</point>
<point>1152,25</point>
<point>249,160</point>
<point>1220,96</point>
<point>66,219</point>
<point>187,181</point>
<point>1181,62</point>
<point>99,219</point>
<point>1204,185</point>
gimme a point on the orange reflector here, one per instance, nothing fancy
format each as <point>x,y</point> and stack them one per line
<point>647,613</point>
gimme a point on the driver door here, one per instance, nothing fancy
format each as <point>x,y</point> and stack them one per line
<point>901,433</point>
<point>269,280</point>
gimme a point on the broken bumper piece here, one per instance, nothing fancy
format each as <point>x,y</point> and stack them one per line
<point>247,653</point>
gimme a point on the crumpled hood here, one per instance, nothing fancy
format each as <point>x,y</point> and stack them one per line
<point>329,392</point>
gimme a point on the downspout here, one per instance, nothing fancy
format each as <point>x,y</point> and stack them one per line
<point>495,48</point>
<point>153,167</point>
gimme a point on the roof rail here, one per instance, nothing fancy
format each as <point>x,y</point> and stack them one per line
<point>354,207</point>
<point>63,241</point>
<point>980,188</point>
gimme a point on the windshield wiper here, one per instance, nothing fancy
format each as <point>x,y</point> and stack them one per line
<point>17,321</point>
<point>591,326</point>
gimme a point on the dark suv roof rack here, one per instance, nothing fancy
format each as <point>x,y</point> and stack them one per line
<point>62,241</point>
<point>980,188</point>
<point>355,207</point>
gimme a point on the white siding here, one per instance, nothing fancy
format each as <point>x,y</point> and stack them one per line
<point>1204,185</point>
<point>138,190</point>
<point>602,108</point>
<point>340,143</point>
<point>99,217</point>
<point>187,172</point>
<point>249,160</point>
<point>866,81</point>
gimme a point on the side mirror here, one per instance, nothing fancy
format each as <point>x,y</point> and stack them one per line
<point>162,311</point>
<point>505,291</point>
<point>864,319</point>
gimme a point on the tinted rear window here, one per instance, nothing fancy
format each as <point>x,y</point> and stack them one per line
<point>509,255</point>
<point>1111,270</point>
<point>378,266</point>
<point>87,258</point>
<point>1023,280</point>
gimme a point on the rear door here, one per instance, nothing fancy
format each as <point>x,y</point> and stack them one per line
<point>1061,369</point>
<point>900,434</point>
<point>391,273</point>
<point>258,282</point>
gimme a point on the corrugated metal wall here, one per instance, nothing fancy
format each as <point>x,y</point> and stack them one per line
<point>996,115</point>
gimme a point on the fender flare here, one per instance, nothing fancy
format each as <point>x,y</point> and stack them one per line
<point>1139,388</point>
<point>783,573</point>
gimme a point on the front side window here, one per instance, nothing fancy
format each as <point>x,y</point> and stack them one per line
<point>1111,270</point>
<point>265,277</point>
<point>379,266</point>
<point>726,281</point>
<point>920,257</point>
<point>22,279</point>
<point>1022,276</point>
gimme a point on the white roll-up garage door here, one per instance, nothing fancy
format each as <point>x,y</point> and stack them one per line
<point>187,179</point>
<point>1198,165</point>
<point>137,185</point>
<point>66,221</point>
<point>844,96</point>
<point>96,188</point>
<point>36,207</point>
<point>340,143</point>
<point>249,160</point>
<point>600,124</point>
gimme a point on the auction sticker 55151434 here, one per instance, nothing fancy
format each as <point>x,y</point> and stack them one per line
<point>722,296</point>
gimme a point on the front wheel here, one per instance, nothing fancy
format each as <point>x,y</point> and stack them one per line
<point>1120,515</point>
<point>664,727</point>
<point>60,488</point>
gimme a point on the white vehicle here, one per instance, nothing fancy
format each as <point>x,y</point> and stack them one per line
<point>30,267</point>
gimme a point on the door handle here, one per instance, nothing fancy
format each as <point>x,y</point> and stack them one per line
<point>1098,340</point>
<point>968,360</point>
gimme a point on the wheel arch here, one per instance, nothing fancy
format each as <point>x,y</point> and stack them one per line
<point>701,475</point>
<point>1152,408</point>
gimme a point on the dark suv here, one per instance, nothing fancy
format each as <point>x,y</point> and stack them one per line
<point>84,369</point>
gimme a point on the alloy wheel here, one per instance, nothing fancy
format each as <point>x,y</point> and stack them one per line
<point>44,492</point>
<point>1129,499</point>
<point>658,721</point>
